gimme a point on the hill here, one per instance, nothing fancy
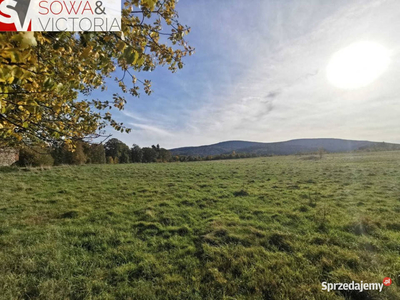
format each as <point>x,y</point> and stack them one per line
<point>284,148</point>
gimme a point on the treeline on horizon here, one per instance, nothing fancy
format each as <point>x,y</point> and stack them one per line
<point>113,151</point>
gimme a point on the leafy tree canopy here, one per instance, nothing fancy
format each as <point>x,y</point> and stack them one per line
<point>149,155</point>
<point>117,149</point>
<point>136,154</point>
<point>42,73</point>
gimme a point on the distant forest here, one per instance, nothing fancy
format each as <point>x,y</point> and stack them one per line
<point>115,151</point>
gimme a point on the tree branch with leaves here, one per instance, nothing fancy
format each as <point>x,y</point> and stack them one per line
<point>45,75</point>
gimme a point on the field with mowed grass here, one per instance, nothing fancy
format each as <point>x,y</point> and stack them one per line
<point>263,228</point>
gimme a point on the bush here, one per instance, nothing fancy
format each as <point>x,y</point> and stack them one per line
<point>35,157</point>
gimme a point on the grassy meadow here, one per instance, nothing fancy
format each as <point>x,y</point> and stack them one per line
<point>263,228</point>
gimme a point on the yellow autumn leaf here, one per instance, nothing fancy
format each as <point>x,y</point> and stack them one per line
<point>86,52</point>
<point>120,45</point>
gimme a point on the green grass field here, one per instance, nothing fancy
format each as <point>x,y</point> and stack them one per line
<point>264,228</point>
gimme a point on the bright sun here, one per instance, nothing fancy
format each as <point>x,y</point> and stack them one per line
<point>357,65</point>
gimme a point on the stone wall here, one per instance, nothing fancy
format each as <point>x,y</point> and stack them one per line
<point>8,156</point>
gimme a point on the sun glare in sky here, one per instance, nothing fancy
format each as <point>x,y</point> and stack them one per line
<point>357,65</point>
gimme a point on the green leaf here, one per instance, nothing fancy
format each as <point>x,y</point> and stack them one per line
<point>140,62</point>
<point>150,4</point>
<point>120,45</point>
<point>48,83</point>
<point>131,55</point>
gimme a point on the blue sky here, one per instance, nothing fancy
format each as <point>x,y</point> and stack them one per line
<point>259,74</point>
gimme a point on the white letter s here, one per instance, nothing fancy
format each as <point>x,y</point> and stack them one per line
<point>6,8</point>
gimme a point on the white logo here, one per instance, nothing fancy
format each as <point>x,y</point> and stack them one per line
<point>61,15</point>
<point>17,10</point>
<point>352,286</point>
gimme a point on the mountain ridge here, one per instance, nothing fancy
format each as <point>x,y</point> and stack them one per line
<point>295,146</point>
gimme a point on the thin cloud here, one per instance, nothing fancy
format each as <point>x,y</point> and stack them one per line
<point>152,129</point>
<point>134,116</point>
